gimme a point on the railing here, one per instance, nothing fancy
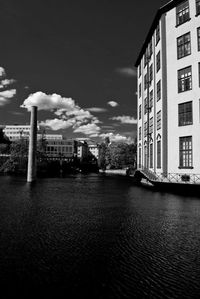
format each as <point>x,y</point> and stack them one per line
<point>187,178</point>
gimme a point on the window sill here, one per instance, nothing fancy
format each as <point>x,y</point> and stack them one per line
<point>184,90</point>
<point>190,167</point>
<point>198,14</point>
<point>183,23</point>
<point>178,58</point>
<point>185,125</point>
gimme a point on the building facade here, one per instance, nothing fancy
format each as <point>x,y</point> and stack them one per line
<point>60,149</point>
<point>168,79</point>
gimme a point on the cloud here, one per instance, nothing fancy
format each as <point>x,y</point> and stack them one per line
<point>56,124</point>
<point>127,71</point>
<point>97,109</point>
<point>6,82</point>
<point>48,102</point>
<point>6,95</point>
<point>112,103</point>
<point>116,137</point>
<point>89,129</point>
<point>2,71</point>
<point>125,119</point>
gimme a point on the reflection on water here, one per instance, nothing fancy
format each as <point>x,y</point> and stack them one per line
<point>100,237</point>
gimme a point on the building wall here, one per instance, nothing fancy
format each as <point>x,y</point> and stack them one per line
<point>175,98</point>
<point>170,131</point>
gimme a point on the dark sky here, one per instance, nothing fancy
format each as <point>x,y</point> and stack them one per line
<point>85,50</point>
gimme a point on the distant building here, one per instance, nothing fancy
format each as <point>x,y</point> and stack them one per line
<point>64,149</point>
<point>168,75</point>
<point>82,150</point>
<point>93,149</point>
<point>15,132</point>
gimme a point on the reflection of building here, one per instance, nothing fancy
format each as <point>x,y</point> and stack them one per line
<point>168,91</point>
<point>64,149</point>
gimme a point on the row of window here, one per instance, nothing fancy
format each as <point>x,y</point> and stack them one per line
<point>185,153</point>
<point>184,41</point>
<point>184,84</point>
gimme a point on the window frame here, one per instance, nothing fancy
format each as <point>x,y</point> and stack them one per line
<point>181,47</point>
<point>183,9</point>
<point>185,114</point>
<point>197,7</point>
<point>158,154</point>
<point>158,66</point>
<point>185,154</point>
<point>185,81</point>
<point>158,90</point>
<point>198,38</point>
<point>158,120</point>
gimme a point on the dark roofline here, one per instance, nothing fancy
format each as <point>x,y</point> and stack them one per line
<point>158,15</point>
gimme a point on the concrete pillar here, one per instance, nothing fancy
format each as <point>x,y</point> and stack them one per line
<point>31,174</point>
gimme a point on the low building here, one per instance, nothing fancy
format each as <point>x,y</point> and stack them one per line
<point>60,149</point>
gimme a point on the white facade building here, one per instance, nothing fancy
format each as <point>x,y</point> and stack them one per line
<point>15,132</point>
<point>169,91</point>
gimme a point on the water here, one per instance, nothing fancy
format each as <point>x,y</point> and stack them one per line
<point>97,237</point>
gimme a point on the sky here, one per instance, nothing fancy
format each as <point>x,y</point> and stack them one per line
<point>75,61</point>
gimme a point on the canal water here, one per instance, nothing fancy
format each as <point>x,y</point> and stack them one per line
<point>95,236</point>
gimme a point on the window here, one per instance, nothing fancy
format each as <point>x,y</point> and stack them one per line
<point>140,111</point>
<point>185,152</point>
<point>182,13</point>
<point>151,100</point>
<point>158,61</point>
<point>198,38</point>
<point>139,70</point>
<point>197,7</point>
<point>139,90</point>
<point>145,129</point>
<point>150,48</point>
<point>145,156</point>
<point>139,157</point>
<point>145,105</point>
<point>145,58</point>
<point>183,45</point>
<point>140,134</point>
<point>151,125</point>
<point>159,120</point>
<point>157,33</point>
<point>185,114</point>
<point>199,74</point>
<point>159,154</point>
<point>151,155</point>
<point>158,90</point>
<point>151,73</point>
<point>185,79</point>
<point>145,82</point>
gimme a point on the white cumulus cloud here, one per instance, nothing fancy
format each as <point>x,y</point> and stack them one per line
<point>89,129</point>
<point>125,119</point>
<point>6,95</point>
<point>56,124</point>
<point>2,71</point>
<point>48,101</point>
<point>97,109</point>
<point>112,103</point>
<point>116,137</point>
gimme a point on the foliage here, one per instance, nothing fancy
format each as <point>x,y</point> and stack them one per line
<point>117,155</point>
